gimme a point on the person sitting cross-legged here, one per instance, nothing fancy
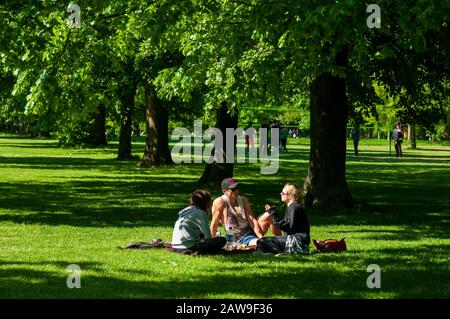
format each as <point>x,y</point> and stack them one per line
<point>295,224</point>
<point>234,212</point>
<point>191,232</point>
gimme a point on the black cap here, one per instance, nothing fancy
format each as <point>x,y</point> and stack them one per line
<point>229,183</point>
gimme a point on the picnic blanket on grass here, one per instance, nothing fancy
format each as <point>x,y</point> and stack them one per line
<point>159,243</point>
<point>152,243</point>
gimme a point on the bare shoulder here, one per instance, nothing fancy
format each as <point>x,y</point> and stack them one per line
<point>219,202</point>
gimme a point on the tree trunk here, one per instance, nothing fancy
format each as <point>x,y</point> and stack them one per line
<point>326,184</point>
<point>126,95</point>
<point>413,136</point>
<point>98,133</point>
<point>156,150</point>
<point>214,173</point>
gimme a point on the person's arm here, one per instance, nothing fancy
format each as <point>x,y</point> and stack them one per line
<point>272,211</point>
<point>251,218</point>
<point>217,211</point>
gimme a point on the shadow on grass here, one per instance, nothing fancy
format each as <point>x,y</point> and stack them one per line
<point>53,163</point>
<point>31,145</point>
<point>313,276</point>
<point>119,203</point>
<point>62,264</point>
<point>399,194</point>
<point>409,156</point>
<point>431,148</point>
<point>407,233</point>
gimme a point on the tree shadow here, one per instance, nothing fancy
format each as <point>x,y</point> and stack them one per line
<point>407,233</point>
<point>31,145</point>
<point>90,204</point>
<point>55,163</point>
<point>405,273</point>
<point>408,157</point>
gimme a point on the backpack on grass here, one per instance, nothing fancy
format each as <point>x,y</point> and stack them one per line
<point>330,245</point>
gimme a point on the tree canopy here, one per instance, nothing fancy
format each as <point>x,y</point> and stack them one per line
<point>192,56</point>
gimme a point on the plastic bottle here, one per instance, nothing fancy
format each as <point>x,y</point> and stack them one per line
<point>230,234</point>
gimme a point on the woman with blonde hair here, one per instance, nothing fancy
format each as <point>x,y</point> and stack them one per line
<point>295,224</point>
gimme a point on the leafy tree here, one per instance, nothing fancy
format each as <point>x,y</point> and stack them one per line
<point>236,53</point>
<point>251,52</point>
<point>49,70</point>
<point>383,115</point>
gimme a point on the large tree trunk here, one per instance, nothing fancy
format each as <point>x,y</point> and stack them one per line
<point>98,131</point>
<point>126,95</point>
<point>215,172</point>
<point>413,136</point>
<point>156,150</point>
<point>326,184</point>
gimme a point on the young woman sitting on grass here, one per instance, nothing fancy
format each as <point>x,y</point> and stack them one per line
<point>191,233</point>
<point>295,224</point>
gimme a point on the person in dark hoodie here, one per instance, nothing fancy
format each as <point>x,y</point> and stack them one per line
<point>191,232</point>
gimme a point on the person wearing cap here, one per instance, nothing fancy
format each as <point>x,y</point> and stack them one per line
<point>191,231</point>
<point>234,212</point>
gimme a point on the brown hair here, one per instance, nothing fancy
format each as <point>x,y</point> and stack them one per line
<point>201,199</point>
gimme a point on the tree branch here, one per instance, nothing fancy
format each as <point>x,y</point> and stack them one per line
<point>55,65</point>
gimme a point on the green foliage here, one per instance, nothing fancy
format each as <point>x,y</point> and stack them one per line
<point>263,53</point>
<point>384,116</point>
<point>200,53</point>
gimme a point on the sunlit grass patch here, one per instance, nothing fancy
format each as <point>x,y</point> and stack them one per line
<point>75,206</point>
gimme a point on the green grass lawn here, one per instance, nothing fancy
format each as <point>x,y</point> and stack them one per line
<point>74,206</point>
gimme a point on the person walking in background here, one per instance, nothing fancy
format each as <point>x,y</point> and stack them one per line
<point>397,136</point>
<point>249,139</point>
<point>276,126</point>
<point>284,134</point>
<point>355,137</point>
<point>264,145</point>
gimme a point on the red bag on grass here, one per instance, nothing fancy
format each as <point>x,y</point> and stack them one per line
<point>330,245</point>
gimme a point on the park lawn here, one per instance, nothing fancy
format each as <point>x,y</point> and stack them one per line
<point>74,206</point>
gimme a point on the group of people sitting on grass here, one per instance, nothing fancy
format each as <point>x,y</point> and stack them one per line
<point>193,234</point>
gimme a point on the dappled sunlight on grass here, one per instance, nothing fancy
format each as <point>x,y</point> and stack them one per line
<point>75,206</point>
